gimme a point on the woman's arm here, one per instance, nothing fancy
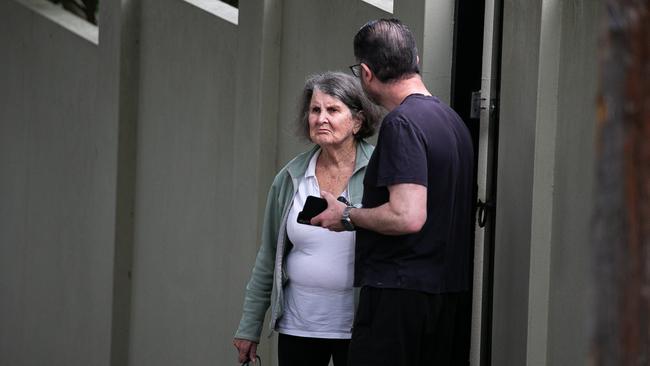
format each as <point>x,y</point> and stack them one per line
<point>258,290</point>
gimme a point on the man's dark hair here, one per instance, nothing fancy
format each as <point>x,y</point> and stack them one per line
<point>388,47</point>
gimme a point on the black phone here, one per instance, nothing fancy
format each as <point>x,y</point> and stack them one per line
<point>313,206</point>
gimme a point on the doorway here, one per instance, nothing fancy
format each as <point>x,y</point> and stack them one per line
<point>474,91</point>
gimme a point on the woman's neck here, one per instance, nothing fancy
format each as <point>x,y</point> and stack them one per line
<point>338,157</point>
<point>335,166</point>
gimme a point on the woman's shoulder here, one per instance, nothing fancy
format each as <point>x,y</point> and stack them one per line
<point>302,158</point>
<point>364,151</point>
<point>297,165</point>
<point>366,146</point>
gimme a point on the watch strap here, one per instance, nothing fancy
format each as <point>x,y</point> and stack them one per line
<point>345,219</point>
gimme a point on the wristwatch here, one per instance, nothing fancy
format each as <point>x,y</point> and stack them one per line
<point>345,219</point>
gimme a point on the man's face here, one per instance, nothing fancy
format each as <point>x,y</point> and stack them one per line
<point>368,89</point>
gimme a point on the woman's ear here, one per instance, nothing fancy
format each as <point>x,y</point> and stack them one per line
<point>358,122</point>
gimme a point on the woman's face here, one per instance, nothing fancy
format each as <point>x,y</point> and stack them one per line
<point>330,121</point>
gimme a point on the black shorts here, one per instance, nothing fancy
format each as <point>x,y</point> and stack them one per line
<point>396,327</point>
<point>301,351</point>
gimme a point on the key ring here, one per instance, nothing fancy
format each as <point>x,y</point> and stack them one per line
<point>248,363</point>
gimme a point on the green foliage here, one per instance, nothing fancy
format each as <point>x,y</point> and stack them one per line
<point>234,3</point>
<point>86,9</point>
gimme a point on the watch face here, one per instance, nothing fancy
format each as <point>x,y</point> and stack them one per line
<point>345,220</point>
<point>347,224</point>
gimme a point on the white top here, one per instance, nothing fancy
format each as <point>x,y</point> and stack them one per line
<point>319,300</point>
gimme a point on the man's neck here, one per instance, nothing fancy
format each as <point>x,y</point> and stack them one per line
<point>395,92</point>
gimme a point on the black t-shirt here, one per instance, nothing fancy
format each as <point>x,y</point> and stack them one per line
<point>422,141</point>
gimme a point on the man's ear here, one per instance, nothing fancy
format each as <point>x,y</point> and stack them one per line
<point>366,73</point>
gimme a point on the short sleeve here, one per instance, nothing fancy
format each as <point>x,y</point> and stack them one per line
<point>402,155</point>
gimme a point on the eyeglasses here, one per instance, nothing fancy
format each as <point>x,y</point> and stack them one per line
<point>356,70</point>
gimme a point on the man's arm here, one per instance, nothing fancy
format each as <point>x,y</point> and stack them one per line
<point>404,213</point>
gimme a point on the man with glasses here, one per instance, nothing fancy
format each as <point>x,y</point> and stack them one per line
<point>413,232</point>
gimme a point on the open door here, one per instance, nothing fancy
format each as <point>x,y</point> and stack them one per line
<point>475,89</point>
<point>485,107</point>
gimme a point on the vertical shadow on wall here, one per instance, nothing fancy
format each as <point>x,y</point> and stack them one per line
<point>129,33</point>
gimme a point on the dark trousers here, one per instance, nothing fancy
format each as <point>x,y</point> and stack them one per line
<point>399,327</point>
<point>303,351</point>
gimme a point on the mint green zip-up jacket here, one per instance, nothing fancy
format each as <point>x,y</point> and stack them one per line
<point>268,278</point>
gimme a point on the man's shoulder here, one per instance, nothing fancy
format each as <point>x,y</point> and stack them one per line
<point>416,107</point>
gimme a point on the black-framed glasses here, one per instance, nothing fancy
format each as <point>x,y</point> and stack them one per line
<point>356,69</point>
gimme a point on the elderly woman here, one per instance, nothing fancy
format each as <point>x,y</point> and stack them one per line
<point>305,272</point>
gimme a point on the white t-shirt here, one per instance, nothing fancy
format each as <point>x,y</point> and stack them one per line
<point>319,300</point>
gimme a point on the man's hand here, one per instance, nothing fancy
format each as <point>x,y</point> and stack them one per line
<point>331,217</point>
<point>247,349</point>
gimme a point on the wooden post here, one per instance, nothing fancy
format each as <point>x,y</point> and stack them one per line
<point>622,203</point>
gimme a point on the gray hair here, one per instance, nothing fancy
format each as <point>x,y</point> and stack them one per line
<point>345,88</point>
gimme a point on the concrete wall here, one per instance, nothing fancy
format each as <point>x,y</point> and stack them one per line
<point>181,263</point>
<point>57,191</point>
<point>135,161</point>
<point>542,298</point>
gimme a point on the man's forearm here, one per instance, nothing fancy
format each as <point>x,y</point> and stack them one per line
<point>404,213</point>
<point>384,220</point>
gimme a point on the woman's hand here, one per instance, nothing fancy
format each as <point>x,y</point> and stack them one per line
<point>247,349</point>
